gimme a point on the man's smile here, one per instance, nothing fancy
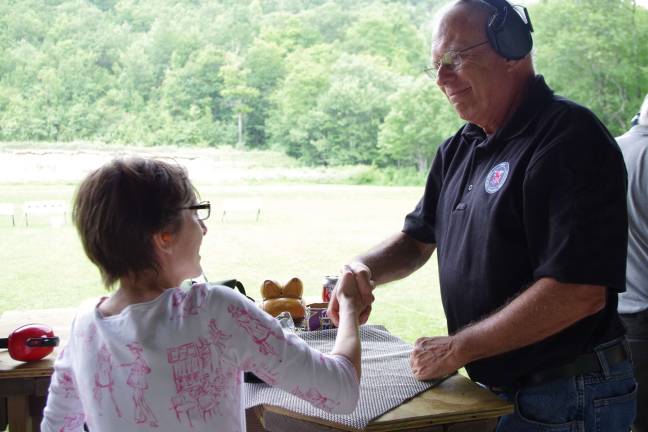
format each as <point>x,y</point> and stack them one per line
<point>453,94</point>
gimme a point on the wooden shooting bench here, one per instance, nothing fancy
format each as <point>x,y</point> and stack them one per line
<point>242,205</point>
<point>56,210</point>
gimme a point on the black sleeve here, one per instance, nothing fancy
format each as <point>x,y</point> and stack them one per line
<point>420,223</point>
<point>575,205</point>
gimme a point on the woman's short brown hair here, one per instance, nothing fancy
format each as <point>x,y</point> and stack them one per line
<point>119,207</point>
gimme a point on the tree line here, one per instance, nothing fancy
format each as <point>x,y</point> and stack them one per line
<point>327,81</point>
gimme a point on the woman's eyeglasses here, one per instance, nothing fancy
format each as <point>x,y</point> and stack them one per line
<point>202,209</point>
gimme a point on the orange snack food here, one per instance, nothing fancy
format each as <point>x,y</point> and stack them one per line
<point>279,298</point>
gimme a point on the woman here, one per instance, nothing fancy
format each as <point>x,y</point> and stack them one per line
<point>173,359</point>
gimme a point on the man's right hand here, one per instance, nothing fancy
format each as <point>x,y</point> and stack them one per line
<point>365,285</point>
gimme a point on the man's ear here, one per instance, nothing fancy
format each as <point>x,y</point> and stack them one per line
<point>163,241</point>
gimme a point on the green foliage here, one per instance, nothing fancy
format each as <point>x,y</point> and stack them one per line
<point>307,77</point>
<point>238,96</point>
<point>419,120</point>
<point>330,19</point>
<point>330,82</point>
<point>592,51</point>
<point>389,33</point>
<point>265,63</point>
<point>290,32</point>
<point>332,115</point>
<point>389,176</point>
<point>350,112</point>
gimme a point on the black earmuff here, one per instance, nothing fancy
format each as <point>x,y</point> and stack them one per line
<point>509,33</point>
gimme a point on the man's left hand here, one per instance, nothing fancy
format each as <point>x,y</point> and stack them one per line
<point>433,357</point>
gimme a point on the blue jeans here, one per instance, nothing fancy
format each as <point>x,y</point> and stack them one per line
<point>595,402</point>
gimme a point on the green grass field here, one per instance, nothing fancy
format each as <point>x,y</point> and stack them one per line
<point>305,230</point>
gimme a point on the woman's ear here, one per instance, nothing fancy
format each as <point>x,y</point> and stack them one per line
<point>163,241</point>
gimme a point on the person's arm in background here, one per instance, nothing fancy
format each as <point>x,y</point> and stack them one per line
<point>395,258</point>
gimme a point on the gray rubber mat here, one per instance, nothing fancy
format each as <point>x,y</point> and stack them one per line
<point>387,379</point>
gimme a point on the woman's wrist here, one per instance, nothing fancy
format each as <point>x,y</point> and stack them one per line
<point>349,309</point>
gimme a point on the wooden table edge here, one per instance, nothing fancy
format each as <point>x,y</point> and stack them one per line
<point>9,375</point>
<point>388,425</point>
<point>297,416</point>
<point>421,422</point>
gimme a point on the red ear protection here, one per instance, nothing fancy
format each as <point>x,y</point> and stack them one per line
<point>30,342</point>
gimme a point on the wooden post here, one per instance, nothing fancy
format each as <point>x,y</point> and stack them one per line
<point>20,421</point>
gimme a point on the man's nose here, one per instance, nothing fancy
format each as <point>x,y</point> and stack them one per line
<point>444,74</point>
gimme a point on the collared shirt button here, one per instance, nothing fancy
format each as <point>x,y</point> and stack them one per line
<point>470,187</point>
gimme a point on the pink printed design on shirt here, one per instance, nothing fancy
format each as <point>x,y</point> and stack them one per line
<point>183,303</point>
<point>259,332</point>
<point>316,398</point>
<point>200,387</point>
<point>87,335</point>
<point>72,422</point>
<point>218,338</point>
<point>66,381</point>
<point>103,378</point>
<point>136,380</point>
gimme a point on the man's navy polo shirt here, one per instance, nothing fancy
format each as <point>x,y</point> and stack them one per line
<point>545,196</point>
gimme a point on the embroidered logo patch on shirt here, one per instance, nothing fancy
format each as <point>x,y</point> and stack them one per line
<point>496,177</point>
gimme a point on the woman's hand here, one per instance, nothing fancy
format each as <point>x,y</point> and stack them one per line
<point>355,285</point>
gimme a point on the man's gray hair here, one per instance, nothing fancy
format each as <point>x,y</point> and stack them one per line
<point>474,4</point>
<point>643,113</point>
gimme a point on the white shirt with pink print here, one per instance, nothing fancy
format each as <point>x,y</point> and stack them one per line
<point>176,364</point>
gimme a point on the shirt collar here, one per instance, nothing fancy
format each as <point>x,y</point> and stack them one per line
<point>538,95</point>
<point>638,130</point>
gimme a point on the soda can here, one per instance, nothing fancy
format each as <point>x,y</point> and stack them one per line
<point>327,287</point>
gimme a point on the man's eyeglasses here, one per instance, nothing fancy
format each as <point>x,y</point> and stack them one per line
<point>451,60</point>
<point>202,209</point>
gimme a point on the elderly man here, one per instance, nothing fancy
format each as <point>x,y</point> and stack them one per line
<point>525,207</point>
<point>633,304</point>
